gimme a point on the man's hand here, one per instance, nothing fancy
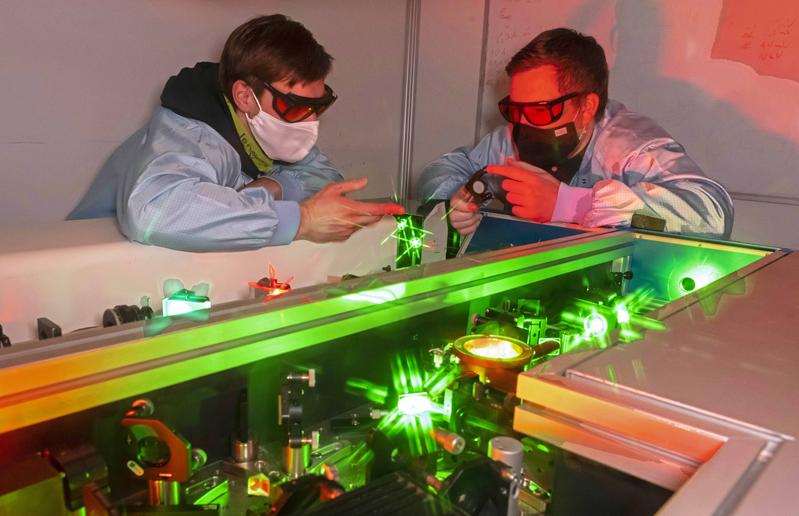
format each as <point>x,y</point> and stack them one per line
<point>329,216</point>
<point>269,184</point>
<point>463,212</point>
<point>531,190</point>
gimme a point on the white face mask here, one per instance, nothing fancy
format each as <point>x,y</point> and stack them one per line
<point>281,140</point>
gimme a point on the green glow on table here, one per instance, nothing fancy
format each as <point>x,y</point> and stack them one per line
<point>595,325</point>
<point>414,404</point>
<point>422,399</point>
<point>378,296</point>
<point>590,323</point>
<point>264,331</point>
<point>367,389</point>
<point>698,277</point>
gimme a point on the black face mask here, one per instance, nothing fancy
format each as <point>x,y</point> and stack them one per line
<point>545,148</point>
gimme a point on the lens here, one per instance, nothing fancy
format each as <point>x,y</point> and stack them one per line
<point>280,104</point>
<point>297,113</point>
<point>538,115</point>
<point>152,452</point>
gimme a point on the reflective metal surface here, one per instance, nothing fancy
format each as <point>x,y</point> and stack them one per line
<point>706,407</point>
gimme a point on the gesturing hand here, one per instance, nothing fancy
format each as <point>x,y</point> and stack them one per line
<point>328,215</point>
<point>531,190</point>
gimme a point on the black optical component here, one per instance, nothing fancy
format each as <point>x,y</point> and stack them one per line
<point>479,188</point>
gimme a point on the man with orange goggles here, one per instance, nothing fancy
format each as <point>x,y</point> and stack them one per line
<point>569,154</point>
<point>229,160</point>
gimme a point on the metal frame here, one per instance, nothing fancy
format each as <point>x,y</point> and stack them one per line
<point>672,446</point>
<point>109,365</point>
<point>709,460</point>
<point>412,29</point>
<point>478,121</point>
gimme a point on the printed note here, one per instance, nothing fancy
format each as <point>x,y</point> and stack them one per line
<point>763,34</point>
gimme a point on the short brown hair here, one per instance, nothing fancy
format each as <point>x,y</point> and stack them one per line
<point>272,48</point>
<point>579,59</point>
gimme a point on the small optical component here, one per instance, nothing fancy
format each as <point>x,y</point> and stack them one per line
<point>449,441</point>
<point>486,190</point>
<point>414,404</point>
<point>596,325</point>
<point>5,342</point>
<point>492,351</point>
<point>687,284</point>
<point>121,314</point>
<point>184,301</point>
<point>479,188</point>
<point>695,278</point>
<point>507,450</point>
<point>270,285</point>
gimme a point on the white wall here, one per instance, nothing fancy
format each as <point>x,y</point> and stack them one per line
<point>78,77</point>
<point>448,78</point>
<point>361,132</point>
<point>741,127</point>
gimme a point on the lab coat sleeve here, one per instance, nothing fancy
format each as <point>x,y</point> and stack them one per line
<point>183,201</point>
<point>441,178</point>
<point>659,180</point>
<point>306,177</point>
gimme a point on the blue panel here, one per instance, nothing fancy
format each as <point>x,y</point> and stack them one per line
<point>499,233</point>
<point>674,269</point>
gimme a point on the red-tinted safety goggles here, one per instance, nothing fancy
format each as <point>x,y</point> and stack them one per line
<point>295,108</point>
<point>540,113</point>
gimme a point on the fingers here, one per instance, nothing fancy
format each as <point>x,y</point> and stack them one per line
<point>393,209</point>
<point>524,165</point>
<point>361,222</point>
<point>349,185</point>
<point>534,171</point>
<point>374,208</point>
<point>468,230</point>
<point>520,171</point>
<point>531,184</point>
<point>530,214</point>
<point>511,186</point>
<point>461,195</point>
<point>466,207</point>
<point>356,214</point>
<point>463,212</point>
<point>333,228</point>
<point>464,222</point>
<point>519,212</point>
<point>509,172</point>
<point>517,199</point>
<point>462,200</point>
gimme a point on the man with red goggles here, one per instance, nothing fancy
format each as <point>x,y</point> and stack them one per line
<point>229,160</point>
<point>569,154</point>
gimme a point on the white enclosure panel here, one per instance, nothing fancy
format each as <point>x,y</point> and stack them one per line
<point>70,272</point>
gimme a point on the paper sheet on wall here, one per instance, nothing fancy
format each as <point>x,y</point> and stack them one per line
<point>763,34</point>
